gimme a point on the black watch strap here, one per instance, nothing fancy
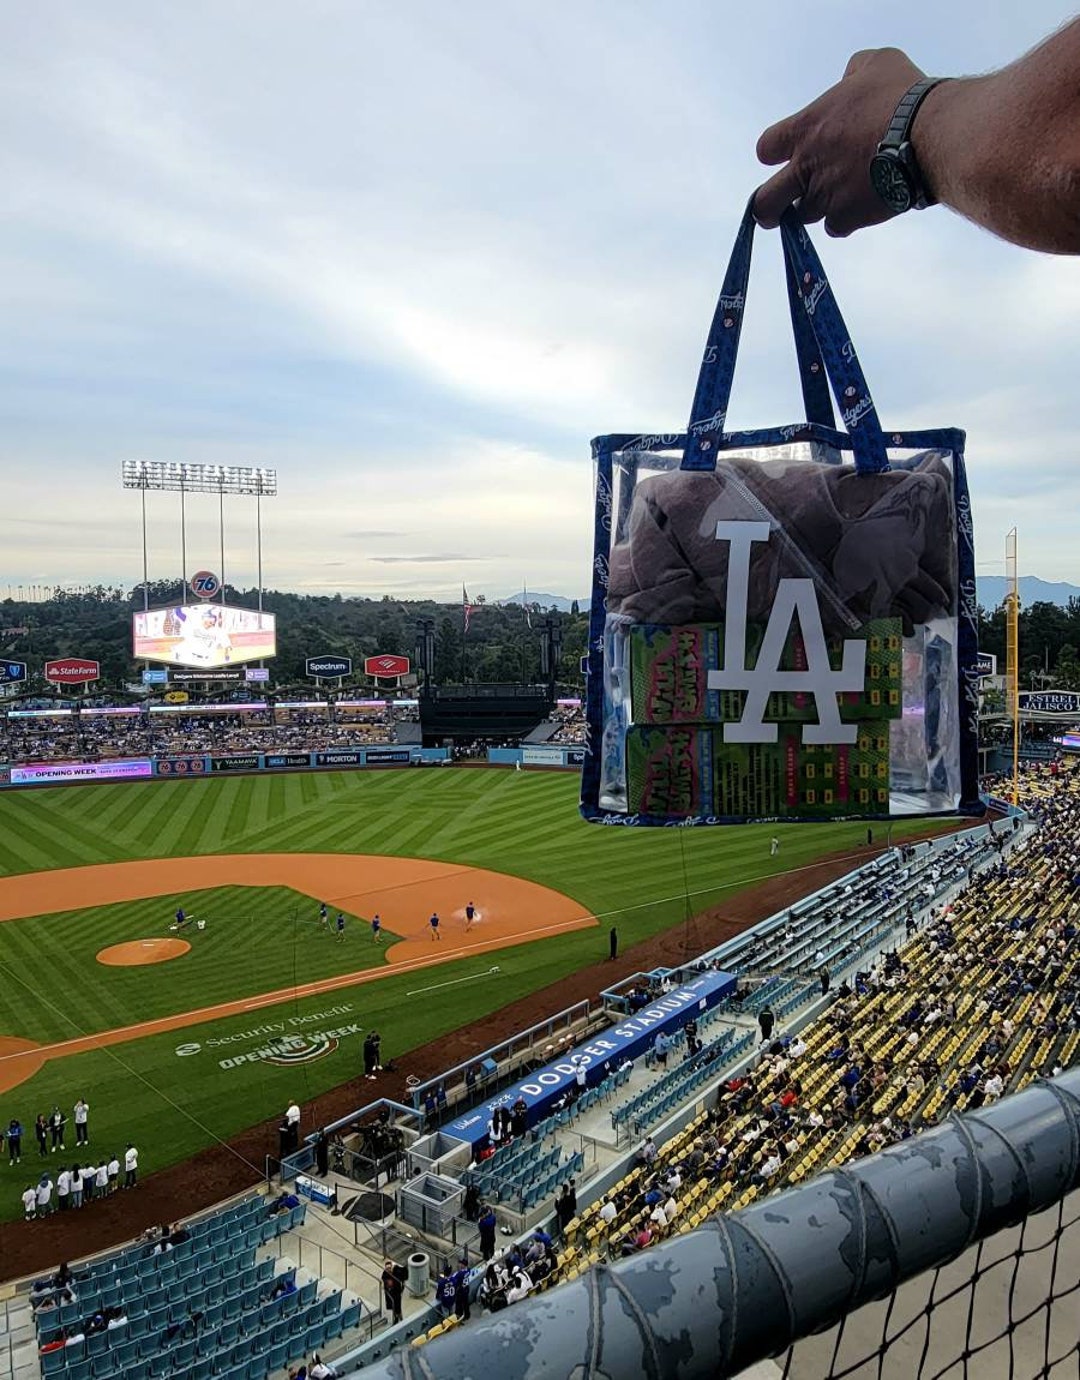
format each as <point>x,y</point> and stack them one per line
<point>904,116</point>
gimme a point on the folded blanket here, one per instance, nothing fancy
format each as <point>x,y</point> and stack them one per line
<point>877,545</point>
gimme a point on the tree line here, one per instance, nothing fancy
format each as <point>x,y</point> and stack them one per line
<point>501,646</point>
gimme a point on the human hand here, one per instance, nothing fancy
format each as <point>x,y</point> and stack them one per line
<point>827,147</point>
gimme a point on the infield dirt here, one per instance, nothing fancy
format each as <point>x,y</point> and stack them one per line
<point>405,892</point>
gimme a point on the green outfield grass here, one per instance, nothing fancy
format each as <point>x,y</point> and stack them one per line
<point>525,824</point>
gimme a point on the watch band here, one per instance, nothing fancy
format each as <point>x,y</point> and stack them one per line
<point>904,115</point>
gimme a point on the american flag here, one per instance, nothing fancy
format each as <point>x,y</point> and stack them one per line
<point>466,606</point>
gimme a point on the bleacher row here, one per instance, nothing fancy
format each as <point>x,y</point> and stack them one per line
<point>654,1102</point>
<point>850,915</point>
<point>521,1175</point>
<point>203,1308</point>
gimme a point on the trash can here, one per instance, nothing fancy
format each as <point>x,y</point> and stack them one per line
<point>418,1274</point>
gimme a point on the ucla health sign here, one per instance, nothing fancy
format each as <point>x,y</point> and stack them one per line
<point>627,1040</point>
<point>12,672</point>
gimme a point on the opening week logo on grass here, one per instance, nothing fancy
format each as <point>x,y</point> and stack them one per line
<point>279,1042</point>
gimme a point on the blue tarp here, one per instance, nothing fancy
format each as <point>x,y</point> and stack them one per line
<point>626,1040</point>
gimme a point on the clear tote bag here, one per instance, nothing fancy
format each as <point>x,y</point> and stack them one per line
<point>783,620</point>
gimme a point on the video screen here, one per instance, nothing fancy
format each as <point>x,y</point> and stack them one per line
<point>203,635</point>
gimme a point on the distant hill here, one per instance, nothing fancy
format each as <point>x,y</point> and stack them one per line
<point>545,601</point>
<point>993,588</point>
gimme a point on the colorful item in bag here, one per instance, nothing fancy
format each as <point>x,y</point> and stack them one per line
<point>669,670</point>
<point>683,770</point>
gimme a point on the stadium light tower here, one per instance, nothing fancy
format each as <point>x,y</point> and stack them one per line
<point>169,476</point>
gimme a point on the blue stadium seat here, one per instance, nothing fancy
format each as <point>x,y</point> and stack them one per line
<point>52,1362</point>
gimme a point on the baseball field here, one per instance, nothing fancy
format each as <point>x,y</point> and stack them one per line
<point>178,1039</point>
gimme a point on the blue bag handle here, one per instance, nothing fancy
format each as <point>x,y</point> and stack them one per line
<point>822,344</point>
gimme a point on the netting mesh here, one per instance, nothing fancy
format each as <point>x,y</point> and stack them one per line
<point>1008,1309</point>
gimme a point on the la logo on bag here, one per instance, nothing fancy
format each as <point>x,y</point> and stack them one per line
<point>818,679</point>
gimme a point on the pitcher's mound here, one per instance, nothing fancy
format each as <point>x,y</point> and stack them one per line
<point>139,951</point>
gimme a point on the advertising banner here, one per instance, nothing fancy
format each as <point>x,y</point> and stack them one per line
<point>575,757</point>
<point>38,773</point>
<point>986,664</point>
<point>288,759</point>
<point>11,672</point>
<point>338,759</point>
<point>1049,702</point>
<point>328,667</point>
<point>387,755</point>
<point>203,635</point>
<point>177,697</point>
<point>155,677</point>
<point>257,674</point>
<point>71,670</point>
<point>218,677</point>
<point>386,665</point>
<point>624,1041</point>
<point>542,756</point>
<point>205,584</point>
<point>236,761</point>
<point>181,766</point>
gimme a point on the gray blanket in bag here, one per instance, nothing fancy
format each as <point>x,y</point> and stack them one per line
<point>879,545</point>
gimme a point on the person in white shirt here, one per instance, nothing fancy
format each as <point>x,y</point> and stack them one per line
<point>74,1338</point>
<point>131,1167</point>
<point>770,1166</point>
<point>658,1217</point>
<point>292,1115</point>
<point>319,1370</point>
<point>29,1199</point>
<point>519,1287</point>
<point>120,1321</point>
<point>82,1128</point>
<point>673,1182</point>
<point>101,1180</point>
<point>608,1212</point>
<point>89,1174</point>
<point>671,1210</point>
<point>63,1189</point>
<point>114,1174</point>
<point>797,1047</point>
<point>994,1087</point>
<point>44,1196</point>
<point>580,1075</point>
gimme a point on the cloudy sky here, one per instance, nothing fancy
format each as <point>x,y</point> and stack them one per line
<point>416,255</point>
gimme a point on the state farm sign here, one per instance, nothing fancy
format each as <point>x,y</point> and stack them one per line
<point>386,665</point>
<point>71,670</point>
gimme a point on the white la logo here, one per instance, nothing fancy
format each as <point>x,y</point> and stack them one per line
<point>819,679</point>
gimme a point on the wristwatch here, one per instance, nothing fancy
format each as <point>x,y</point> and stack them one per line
<point>894,170</point>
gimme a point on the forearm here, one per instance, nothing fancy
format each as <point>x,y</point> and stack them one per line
<point>1004,150</point>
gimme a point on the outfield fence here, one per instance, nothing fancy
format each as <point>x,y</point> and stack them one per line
<point>955,1253</point>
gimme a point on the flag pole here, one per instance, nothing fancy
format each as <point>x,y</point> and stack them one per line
<point>464,626</point>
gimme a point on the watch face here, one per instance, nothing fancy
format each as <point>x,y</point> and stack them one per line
<point>891,182</point>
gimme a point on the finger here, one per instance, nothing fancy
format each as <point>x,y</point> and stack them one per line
<point>777,144</point>
<point>774,197</point>
<point>810,208</point>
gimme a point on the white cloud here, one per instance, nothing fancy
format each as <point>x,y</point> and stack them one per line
<point>415,257</point>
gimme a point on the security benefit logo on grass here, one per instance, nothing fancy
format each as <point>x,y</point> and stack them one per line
<point>278,1042</point>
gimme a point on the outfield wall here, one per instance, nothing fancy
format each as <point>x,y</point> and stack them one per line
<point>213,764</point>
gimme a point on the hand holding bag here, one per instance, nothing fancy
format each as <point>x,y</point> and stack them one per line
<point>782,622</point>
